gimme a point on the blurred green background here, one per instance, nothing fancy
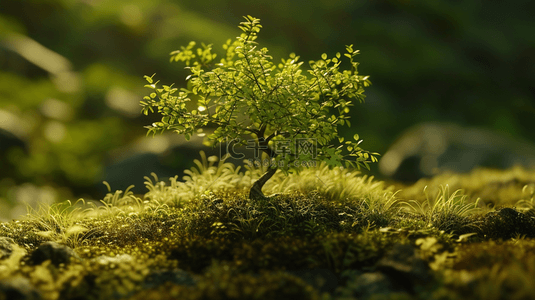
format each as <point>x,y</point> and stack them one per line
<point>71,77</point>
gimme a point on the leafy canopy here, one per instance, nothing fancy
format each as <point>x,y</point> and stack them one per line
<point>245,92</point>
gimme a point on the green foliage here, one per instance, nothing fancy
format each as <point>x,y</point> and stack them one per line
<point>448,212</point>
<point>60,222</point>
<point>338,184</point>
<point>279,101</point>
<point>208,175</point>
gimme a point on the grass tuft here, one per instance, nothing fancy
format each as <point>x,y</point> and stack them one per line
<point>448,212</point>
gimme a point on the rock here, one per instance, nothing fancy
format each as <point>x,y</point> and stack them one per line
<point>18,288</point>
<point>395,275</point>
<point>6,247</point>
<point>507,223</point>
<point>405,267</point>
<point>431,148</point>
<point>130,171</point>
<point>56,253</point>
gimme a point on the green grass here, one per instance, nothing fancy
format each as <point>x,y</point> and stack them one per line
<point>323,219</point>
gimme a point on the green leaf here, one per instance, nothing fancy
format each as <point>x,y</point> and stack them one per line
<point>149,79</point>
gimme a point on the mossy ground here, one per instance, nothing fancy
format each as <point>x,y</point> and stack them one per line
<point>336,221</point>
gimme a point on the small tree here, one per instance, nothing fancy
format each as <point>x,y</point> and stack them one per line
<point>246,93</point>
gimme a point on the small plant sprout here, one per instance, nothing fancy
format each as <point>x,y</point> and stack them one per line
<point>448,211</point>
<point>279,106</point>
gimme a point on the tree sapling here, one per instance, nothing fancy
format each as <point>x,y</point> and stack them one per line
<point>245,93</point>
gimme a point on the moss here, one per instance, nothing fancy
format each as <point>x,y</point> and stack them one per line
<point>493,187</point>
<point>508,279</point>
<point>507,223</point>
<point>235,248</point>
<point>286,215</point>
<point>222,281</point>
<point>485,255</point>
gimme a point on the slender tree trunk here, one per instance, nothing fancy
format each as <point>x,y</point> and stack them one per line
<point>256,190</point>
